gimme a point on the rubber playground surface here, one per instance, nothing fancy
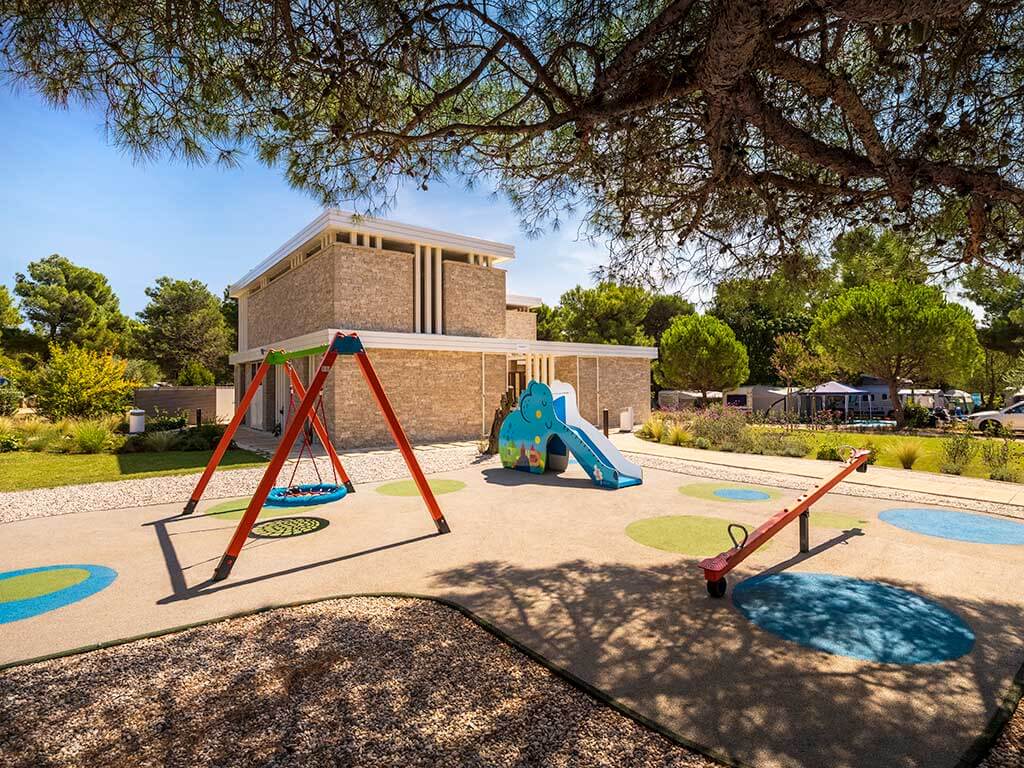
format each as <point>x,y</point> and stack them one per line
<point>889,644</point>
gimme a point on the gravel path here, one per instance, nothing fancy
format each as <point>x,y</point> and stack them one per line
<point>366,467</point>
<point>354,682</point>
<point>1008,751</point>
<point>718,472</point>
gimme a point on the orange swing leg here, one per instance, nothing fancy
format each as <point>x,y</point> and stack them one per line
<point>402,441</point>
<point>277,461</point>
<point>226,438</point>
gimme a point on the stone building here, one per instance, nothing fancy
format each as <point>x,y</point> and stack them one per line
<point>433,313</point>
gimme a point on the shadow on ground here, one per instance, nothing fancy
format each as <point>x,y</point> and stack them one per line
<point>651,638</point>
<point>502,476</point>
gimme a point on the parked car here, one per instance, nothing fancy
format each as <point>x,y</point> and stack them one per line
<point>1010,418</point>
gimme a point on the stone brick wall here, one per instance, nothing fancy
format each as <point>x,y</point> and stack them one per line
<point>435,394</point>
<point>373,289</point>
<point>586,392</point>
<point>299,301</point>
<point>520,325</point>
<point>625,381</point>
<point>474,300</point>
<point>343,286</point>
<point>565,370</point>
<point>495,383</point>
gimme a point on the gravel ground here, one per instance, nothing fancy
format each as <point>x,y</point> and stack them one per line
<point>366,467</point>
<point>1008,751</point>
<point>718,472</point>
<point>354,682</point>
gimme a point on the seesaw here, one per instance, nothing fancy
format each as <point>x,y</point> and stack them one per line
<point>715,568</point>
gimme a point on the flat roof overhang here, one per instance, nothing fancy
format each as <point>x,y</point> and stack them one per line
<point>445,343</point>
<point>335,219</point>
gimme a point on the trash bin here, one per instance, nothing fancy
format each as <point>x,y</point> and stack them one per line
<point>136,421</point>
<point>626,420</point>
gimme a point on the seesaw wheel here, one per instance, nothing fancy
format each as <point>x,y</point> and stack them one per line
<point>717,588</point>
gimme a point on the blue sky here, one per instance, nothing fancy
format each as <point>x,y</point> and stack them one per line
<point>67,190</point>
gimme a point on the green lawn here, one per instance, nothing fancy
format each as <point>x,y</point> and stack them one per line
<point>931,450</point>
<point>22,470</point>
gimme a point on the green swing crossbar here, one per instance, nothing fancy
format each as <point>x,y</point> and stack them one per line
<point>279,357</point>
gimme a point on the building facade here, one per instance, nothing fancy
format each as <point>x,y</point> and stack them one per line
<point>432,310</point>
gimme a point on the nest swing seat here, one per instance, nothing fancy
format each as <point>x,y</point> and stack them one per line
<point>306,494</point>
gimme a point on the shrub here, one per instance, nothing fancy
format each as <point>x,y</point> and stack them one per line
<point>40,436</point>
<point>163,421</point>
<point>721,425</point>
<point>829,450</point>
<point>747,441</point>
<point>9,441</point>
<point>654,427</point>
<point>676,434</point>
<point>957,451</point>
<point>916,416</point>
<point>195,374</point>
<point>769,442</point>
<point>133,444</point>
<point>701,442</point>
<point>10,399</point>
<point>161,441</point>
<point>201,438</point>
<point>906,452</point>
<point>869,445</point>
<point>78,383</point>
<point>998,456</point>
<point>795,446</point>
<point>91,436</point>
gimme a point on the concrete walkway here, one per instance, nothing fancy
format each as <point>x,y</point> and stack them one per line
<point>547,560</point>
<point>949,486</point>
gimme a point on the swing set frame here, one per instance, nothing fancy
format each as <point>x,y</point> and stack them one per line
<point>340,344</point>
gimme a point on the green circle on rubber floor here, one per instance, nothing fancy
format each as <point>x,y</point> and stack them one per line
<point>707,491</point>
<point>233,509</point>
<point>29,585</point>
<point>408,487</point>
<point>691,535</point>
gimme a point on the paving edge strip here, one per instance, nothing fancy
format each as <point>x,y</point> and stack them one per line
<point>558,671</point>
<point>971,758</point>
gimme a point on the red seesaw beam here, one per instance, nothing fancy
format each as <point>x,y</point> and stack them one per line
<point>715,568</point>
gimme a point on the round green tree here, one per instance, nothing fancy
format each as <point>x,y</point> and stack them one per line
<point>898,332</point>
<point>701,352</point>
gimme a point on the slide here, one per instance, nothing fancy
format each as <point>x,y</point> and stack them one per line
<point>547,427</point>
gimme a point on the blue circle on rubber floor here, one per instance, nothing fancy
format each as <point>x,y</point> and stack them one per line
<point>740,494</point>
<point>961,526</point>
<point>100,577</point>
<point>851,617</point>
